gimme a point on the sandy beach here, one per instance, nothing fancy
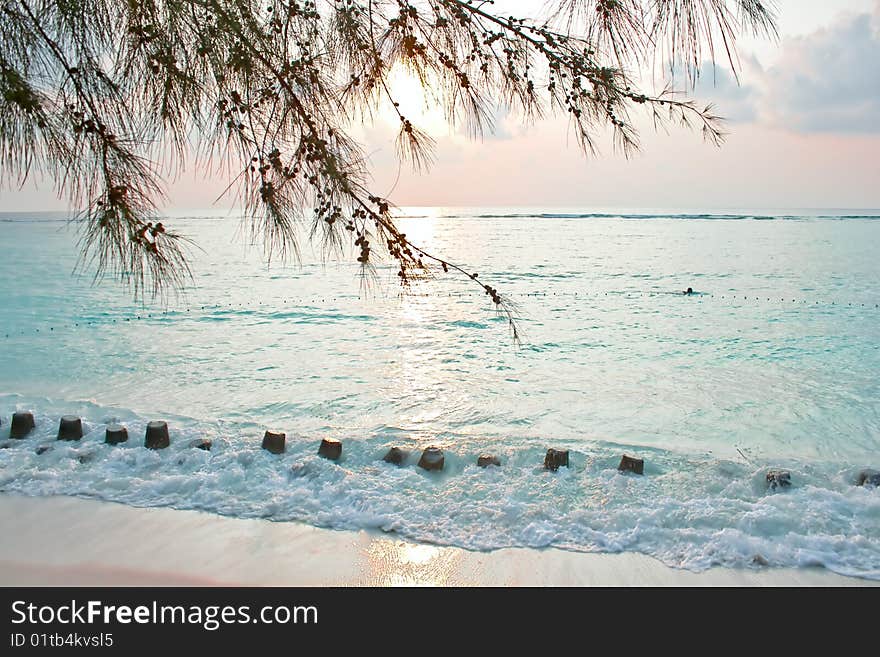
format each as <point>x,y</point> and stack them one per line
<point>67,541</point>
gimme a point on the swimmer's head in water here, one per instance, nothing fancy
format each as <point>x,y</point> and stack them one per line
<point>690,290</point>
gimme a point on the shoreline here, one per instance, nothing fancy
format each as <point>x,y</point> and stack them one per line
<point>70,541</point>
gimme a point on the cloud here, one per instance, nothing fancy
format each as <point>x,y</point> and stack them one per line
<point>735,101</point>
<point>828,81</point>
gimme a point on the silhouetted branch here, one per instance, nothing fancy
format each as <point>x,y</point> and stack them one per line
<point>108,96</point>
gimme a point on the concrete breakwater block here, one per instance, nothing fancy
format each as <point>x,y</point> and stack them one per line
<point>630,464</point>
<point>157,435</point>
<point>432,459</point>
<point>485,460</point>
<point>778,479</point>
<point>330,449</point>
<point>201,443</point>
<point>22,424</point>
<point>395,456</point>
<point>273,441</point>
<point>555,459</point>
<point>115,434</point>
<point>869,477</point>
<point>70,428</point>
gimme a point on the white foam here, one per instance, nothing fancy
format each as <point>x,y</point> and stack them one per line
<point>689,512</point>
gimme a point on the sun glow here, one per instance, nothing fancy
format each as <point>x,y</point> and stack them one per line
<point>419,225</point>
<point>416,103</point>
<point>395,563</point>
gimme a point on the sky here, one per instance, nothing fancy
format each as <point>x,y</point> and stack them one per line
<point>803,132</point>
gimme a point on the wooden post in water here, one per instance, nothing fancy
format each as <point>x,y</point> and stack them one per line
<point>157,435</point>
<point>70,428</point>
<point>22,424</point>
<point>395,456</point>
<point>778,479</point>
<point>432,459</point>
<point>869,477</point>
<point>629,464</point>
<point>273,441</point>
<point>330,449</point>
<point>115,434</point>
<point>555,459</point>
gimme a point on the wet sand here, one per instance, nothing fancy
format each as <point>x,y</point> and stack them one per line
<point>67,541</point>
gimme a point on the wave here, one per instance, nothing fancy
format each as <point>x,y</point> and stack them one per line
<point>691,511</point>
<point>58,217</point>
<point>617,215</point>
<point>35,220</point>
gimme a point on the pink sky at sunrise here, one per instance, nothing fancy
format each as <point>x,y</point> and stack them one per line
<point>804,132</point>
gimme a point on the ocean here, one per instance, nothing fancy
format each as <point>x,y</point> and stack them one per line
<point>773,362</point>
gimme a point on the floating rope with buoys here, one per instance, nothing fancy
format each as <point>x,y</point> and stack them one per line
<point>697,296</point>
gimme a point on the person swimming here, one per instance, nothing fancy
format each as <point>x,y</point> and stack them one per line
<point>690,290</point>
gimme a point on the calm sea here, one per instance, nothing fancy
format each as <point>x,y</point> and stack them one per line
<point>773,362</point>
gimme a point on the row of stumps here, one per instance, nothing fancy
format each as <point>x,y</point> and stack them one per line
<point>556,459</point>
<point>330,448</point>
<point>275,442</point>
<point>70,427</point>
<point>782,478</point>
<point>432,459</point>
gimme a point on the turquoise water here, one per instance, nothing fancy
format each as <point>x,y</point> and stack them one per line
<point>773,363</point>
